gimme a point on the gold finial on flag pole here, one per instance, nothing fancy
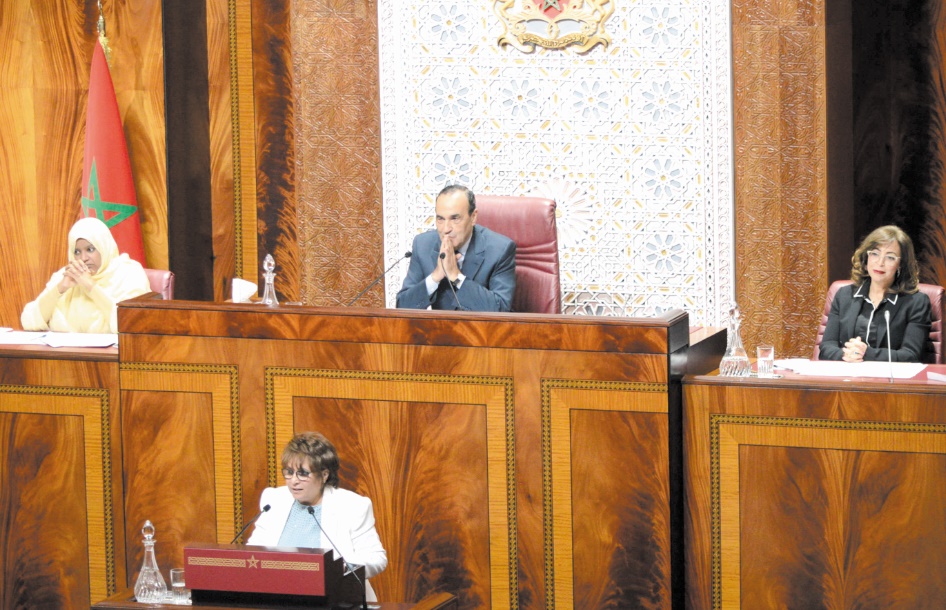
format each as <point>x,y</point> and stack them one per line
<point>103,39</point>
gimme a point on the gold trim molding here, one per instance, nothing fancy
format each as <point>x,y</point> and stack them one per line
<point>243,124</point>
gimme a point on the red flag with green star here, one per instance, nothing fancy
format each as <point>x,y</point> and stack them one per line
<point>108,191</point>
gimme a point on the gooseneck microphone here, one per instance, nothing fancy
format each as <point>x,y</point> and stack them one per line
<point>380,277</point>
<point>348,566</point>
<point>889,355</point>
<point>250,522</point>
<point>453,288</point>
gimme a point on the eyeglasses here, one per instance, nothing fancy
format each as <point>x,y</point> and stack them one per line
<point>889,259</point>
<point>301,474</point>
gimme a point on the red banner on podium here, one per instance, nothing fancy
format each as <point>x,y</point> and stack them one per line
<point>258,569</point>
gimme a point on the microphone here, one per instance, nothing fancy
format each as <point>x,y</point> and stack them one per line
<point>348,566</point>
<point>889,355</point>
<point>453,289</point>
<point>250,522</point>
<point>379,278</point>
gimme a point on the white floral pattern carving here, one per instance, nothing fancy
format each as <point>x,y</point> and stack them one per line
<point>632,141</point>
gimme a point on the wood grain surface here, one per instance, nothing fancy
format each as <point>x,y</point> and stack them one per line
<point>62,545</point>
<point>815,494</point>
<point>445,421</point>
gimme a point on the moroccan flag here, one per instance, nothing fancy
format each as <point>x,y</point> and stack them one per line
<point>108,191</point>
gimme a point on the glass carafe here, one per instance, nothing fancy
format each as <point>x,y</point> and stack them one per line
<point>269,276</point>
<point>150,586</point>
<point>735,362</point>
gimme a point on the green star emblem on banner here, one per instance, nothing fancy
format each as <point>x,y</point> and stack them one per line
<point>92,201</point>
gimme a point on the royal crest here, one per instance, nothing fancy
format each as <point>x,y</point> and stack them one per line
<point>554,24</point>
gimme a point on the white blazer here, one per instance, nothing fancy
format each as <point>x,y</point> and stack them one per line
<point>347,518</point>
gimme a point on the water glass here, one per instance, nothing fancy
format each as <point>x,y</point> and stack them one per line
<point>765,360</point>
<point>179,594</point>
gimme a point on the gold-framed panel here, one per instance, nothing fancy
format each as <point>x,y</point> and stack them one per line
<point>221,382</point>
<point>559,398</point>
<point>729,432</point>
<point>92,405</point>
<point>493,393</point>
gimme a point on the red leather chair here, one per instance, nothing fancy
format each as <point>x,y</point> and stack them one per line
<point>530,222</point>
<point>934,347</point>
<point>162,282</point>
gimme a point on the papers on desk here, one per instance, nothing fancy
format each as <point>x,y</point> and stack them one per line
<point>838,368</point>
<point>8,336</point>
<point>52,339</point>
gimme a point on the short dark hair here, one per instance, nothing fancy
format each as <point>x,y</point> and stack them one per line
<point>452,188</point>
<point>315,449</point>
<point>908,276</point>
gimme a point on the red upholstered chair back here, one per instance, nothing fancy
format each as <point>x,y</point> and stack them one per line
<point>530,222</point>
<point>934,347</point>
<point>162,282</point>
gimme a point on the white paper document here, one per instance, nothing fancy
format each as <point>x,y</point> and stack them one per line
<point>838,368</point>
<point>20,337</point>
<point>80,339</point>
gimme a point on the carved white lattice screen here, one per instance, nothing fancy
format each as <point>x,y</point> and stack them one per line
<point>633,141</point>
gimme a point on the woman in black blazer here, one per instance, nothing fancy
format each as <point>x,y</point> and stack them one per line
<point>885,275</point>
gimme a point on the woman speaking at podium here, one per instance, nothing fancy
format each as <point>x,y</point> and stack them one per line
<point>83,295</point>
<point>885,275</point>
<point>340,518</point>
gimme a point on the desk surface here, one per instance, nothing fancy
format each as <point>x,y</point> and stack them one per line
<point>126,599</point>
<point>791,380</point>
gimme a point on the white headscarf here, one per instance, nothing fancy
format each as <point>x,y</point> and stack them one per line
<point>117,278</point>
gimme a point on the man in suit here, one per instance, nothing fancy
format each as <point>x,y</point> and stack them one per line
<point>460,265</point>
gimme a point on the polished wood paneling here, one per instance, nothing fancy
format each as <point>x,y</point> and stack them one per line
<point>226,158</point>
<point>814,493</point>
<point>608,517</point>
<point>781,207</point>
<point>486,441</point>
<point>62,545</point>
<point>181,429</point>
<point>274,102</point>
<point>402,447</point>
<point>47,51</point>
<point>337,122</point>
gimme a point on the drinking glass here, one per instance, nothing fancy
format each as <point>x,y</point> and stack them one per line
<point>765,360</point>
<point>179,594</point>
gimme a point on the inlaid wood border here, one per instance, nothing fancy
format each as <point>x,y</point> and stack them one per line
<point>494,393</point>
<point>559,398</point>
<point>243,122</point>
<point>222,383</point>
<point>92,405</point>
<point>729,432</point>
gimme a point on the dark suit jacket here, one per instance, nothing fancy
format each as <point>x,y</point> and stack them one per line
<point>909,326</point>
<point>489,267</point>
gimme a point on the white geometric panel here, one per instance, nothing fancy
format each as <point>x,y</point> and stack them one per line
<point>632,141</point>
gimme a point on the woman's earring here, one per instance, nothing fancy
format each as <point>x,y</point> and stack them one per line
<point>898,273</point>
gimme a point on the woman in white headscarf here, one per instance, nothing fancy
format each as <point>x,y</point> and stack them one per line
<point>82,296</point>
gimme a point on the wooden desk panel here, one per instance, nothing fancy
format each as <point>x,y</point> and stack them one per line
<point>486,441</point>
<point>63,545</point>
<point>814,493</point>
<point>125,600</point>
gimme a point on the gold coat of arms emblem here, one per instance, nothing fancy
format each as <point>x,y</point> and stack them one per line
<point>554,24</point>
